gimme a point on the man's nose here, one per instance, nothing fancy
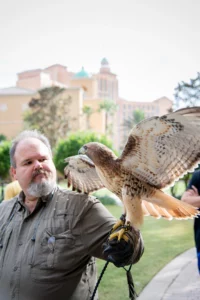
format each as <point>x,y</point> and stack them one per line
<point>37,164</point>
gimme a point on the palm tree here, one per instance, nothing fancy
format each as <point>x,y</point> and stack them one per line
<point>137,116</point>
<point>88,111</point>
<point>110,108</point>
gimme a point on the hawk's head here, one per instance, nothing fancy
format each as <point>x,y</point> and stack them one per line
<point>97,152</point>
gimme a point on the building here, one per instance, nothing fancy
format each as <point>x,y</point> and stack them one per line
<point>13,103</point>
<point>85,90</point>
<point>55,75</point>
<point>157,107</point>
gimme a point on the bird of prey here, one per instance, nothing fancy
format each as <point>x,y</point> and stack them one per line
<point>159,151</point>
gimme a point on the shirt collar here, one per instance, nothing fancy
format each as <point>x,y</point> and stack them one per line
<point>44,199</point>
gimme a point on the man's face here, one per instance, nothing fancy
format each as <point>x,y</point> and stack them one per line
<point>35,169</point>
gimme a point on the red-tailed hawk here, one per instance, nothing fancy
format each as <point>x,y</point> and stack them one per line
<point>159,151</point>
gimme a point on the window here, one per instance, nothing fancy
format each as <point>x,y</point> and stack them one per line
<point>3,107</point>
<point>24,106</point>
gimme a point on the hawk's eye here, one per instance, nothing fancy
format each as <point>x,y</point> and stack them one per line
<point>85,148</point>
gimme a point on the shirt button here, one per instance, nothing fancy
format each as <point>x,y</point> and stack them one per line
<point>15,268</point>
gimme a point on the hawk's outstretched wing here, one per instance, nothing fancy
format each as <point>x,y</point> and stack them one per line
<point>81,174</point>
<point>160,150</point>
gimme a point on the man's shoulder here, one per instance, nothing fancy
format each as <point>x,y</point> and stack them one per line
<point>78,204</point>
<point>75,197</point>
<point>7,204</point>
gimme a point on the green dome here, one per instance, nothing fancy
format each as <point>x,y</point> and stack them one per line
<point>104,61</point>
<point>82,74</point>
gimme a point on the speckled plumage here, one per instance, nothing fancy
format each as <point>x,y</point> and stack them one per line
<point>159,151</point>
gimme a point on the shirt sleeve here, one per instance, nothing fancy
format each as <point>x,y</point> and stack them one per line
<point>96,226</point>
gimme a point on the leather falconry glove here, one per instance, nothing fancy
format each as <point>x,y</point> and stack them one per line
<point>122,253</point>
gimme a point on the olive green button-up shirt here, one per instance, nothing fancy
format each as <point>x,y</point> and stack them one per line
<point>48,254</point>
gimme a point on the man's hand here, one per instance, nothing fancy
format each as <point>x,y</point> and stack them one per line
<point>122,253</point>
<point>118,252</point>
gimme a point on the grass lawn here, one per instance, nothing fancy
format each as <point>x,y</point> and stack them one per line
<point>163,241</point>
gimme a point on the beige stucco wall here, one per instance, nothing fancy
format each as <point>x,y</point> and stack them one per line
<point>97,119</point>
<point>77,120</point>
<point>59,73</point>
<point>33,82</point>
<point>89,85</point>
<point>11,114</point>
<point>51,76</point>
<point>107,86</point>
<point>12,108</point>
<point>164,104</point>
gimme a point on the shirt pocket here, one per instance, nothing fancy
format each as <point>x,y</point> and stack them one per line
<point>52,255</point>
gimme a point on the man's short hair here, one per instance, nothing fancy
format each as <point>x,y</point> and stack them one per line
<point>25,135</point>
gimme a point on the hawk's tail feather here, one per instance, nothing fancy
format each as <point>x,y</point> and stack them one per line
<point>150,209</point>
<point>168,207</point>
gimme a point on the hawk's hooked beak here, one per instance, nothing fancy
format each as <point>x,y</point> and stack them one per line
<point>82,150</point>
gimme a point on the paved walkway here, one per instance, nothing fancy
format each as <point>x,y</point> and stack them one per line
<point>179,280</point>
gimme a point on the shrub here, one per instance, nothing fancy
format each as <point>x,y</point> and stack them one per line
<point>4,159</point>
<point>73,143</point>
<point>106,197</point>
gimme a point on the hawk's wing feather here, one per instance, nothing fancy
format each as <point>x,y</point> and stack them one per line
<point>160,150</point>
<point>191,113</point>
<point>166,206</point>
<point>81,174</point>
<point>150,209</point>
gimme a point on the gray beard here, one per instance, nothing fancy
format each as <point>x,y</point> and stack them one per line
<point>41,189</point>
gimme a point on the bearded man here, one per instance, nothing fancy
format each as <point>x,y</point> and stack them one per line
<point>49,237</point>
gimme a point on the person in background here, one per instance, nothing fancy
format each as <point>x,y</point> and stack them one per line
<point>12,189</point>
<point>192,196</point>
<point>49,236</point>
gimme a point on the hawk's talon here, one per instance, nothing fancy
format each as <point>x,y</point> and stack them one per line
<point>119,223</point>
<point>121,233</point>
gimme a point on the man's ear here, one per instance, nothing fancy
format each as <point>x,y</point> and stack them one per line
<point>13,173</point>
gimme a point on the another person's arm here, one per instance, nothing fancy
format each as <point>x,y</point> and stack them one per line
<point>192,194</point>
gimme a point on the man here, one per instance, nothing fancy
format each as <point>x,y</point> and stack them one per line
<point>192,196</point>
<point>50,236</point>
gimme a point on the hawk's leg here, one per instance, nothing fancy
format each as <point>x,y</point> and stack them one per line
<point>119,223</point>
<point>120,234</point>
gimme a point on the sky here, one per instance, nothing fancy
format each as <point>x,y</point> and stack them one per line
<point>150,44</point>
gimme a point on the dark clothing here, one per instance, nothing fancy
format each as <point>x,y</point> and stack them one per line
<point>48,254</point>
<point>196,182</point>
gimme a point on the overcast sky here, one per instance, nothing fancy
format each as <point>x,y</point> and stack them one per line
<point>150,44</point>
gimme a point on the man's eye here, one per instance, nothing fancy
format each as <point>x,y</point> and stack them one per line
<point>28,162</point>
<point>42,159</point>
